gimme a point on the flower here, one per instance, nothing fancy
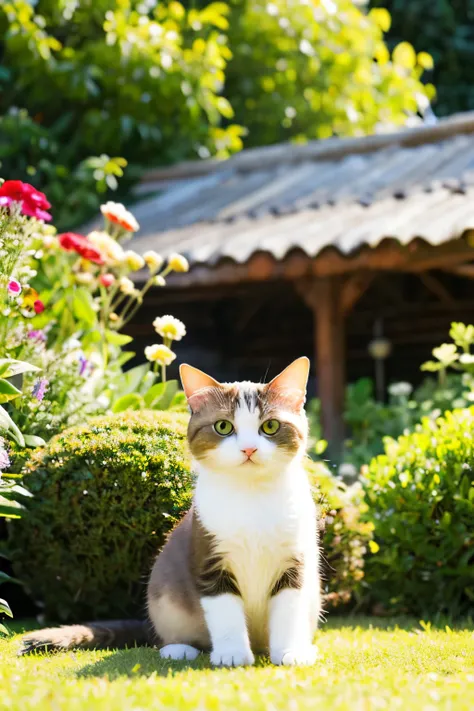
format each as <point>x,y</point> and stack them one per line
<point>117,213</point>
<point>38,306</point>
<point>159,281</point>
<point>126,285</point>
<point>4,459</point>
<point>178,263</point>
<point>107,279</point>
<point>84,278</point>
<point>72,242</point>
<point>83,363</point>
<point>49,241</point>
<point>153,260</point>
<point>169,327</point>
<point>33,202</point>
<point>160,353</point>
<point>37,335</point>
<point>133,260</point>
<point>39,388</point>
<point>14,287</point>
<point>107,245</point>
<point>401,389</point>
<point>466,359</point>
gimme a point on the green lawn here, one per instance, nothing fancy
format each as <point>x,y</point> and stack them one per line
<point>365,665</point>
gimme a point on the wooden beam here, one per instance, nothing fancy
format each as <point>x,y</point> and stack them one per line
<point>436,287</point>
<point>463,270</point>
<point>353,289</point>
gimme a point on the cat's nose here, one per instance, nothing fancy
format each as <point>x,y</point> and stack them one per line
<point>249,451</point>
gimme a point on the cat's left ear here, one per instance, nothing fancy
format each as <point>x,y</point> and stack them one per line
<point>292,382</point>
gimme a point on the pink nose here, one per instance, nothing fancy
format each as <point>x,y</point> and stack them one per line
<point>249,451</point>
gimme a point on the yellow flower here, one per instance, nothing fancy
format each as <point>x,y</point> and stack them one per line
<point>178,263</point>
<point>109,247</point>
<point>113,316</point>
<point>133,260</point>
<point>126,285</point>
<point>374,547</point>
<point>169,327</point>
<point>153,260</point>
<point>159,281</point>
<point>160,353</point>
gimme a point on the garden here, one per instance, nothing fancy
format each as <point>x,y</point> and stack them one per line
<point>94,464</point>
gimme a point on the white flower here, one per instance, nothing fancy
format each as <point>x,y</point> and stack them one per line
<point>401,389</point>
<point>107,246</point>
<point>160,353</point>
<point>347,470</point>
<point>133,260</point>
<point>178,263</point>
<point>169,327</point>
<point>153,260</point>
<point>466,358</point>
<point>159,281</point>
<point>119,215</point>
<point>126,286</point>
<point>84,278</point>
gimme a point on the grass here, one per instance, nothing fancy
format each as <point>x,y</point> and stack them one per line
<point>365,665</point>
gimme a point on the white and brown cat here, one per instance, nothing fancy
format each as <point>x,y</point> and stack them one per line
<point>240,573</point>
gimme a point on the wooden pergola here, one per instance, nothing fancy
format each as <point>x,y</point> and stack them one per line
<point>399,204</point>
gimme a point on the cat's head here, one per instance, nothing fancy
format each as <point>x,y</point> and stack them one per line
<point>247,429</point>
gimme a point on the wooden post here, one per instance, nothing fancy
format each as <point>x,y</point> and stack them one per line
<point>325,297</point>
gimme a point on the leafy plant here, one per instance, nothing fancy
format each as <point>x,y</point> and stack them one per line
<point>420,495</point>
<point>104,496</point>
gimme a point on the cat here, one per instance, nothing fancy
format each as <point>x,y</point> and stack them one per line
<point>239,575</point>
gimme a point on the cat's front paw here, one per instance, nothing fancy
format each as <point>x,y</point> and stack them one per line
<point>231,657</point>
<point>295,656</point>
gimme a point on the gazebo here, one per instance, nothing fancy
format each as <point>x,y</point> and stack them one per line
<point>323,226</point>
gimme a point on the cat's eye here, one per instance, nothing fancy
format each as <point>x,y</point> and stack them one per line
<point>223,427</point>
<point>270,427</point>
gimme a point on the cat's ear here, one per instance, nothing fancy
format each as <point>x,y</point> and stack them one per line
<point>292,382</point>
<point>194,381</point>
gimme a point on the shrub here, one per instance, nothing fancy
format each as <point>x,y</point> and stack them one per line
<point>104,496</point>
<point>344,535</point>
<point>421,502</point>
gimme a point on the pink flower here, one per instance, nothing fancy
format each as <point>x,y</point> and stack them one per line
<point>14,287</point>
<point>33,202</point>
<point>38,306</point>
<point>72,242</point>
<point>107,279</point>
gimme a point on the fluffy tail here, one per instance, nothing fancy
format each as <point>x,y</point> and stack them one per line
<point>95,635</point>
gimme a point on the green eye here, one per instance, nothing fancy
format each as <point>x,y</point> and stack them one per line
<point>223,427</point>
<point>270,427</point>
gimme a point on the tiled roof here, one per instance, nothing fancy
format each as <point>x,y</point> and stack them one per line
<point>343,193</point>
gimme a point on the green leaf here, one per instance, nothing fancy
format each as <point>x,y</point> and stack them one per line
<point>4,578</point>
<point>117,339</point>
<point>34,441</point>
<point>160,396</point>
<point>8,391</point>
<point>10,367</point>
<point>132,401</point>
<point>124,357</point>
<point>82,308</point>
<point>5,608</point>
<point>7,424</point>
<point>320,446</point>
<point>4,630</point>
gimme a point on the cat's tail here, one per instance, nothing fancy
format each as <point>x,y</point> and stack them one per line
<point>94,635</point>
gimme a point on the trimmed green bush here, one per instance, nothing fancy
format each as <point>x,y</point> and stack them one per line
<point>104,496</point>
<point>421,502</point>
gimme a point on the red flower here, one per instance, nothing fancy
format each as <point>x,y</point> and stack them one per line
<point>73,242</point>
<point>33,202</point>
<point>107,279</point>
<point>38,306</point>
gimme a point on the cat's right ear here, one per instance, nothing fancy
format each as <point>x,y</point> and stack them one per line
<point>194,383</point>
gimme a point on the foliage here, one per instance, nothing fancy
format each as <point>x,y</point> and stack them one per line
<point>139,80</point>
<point>421,502</point>
<point>445,30</point>
<point>314,69</point>
<point>344,534</point>
<point>156,83</point>
<point>369,420</point>
<point>104,496</point>
<point>364,664</point>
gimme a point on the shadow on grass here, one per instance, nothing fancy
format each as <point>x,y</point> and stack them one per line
<point>396,623</point>
<point>137,662</point>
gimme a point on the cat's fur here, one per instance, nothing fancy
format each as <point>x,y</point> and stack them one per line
<point>240,573</point>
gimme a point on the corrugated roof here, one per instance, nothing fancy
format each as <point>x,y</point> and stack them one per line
<point>408,185</point>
